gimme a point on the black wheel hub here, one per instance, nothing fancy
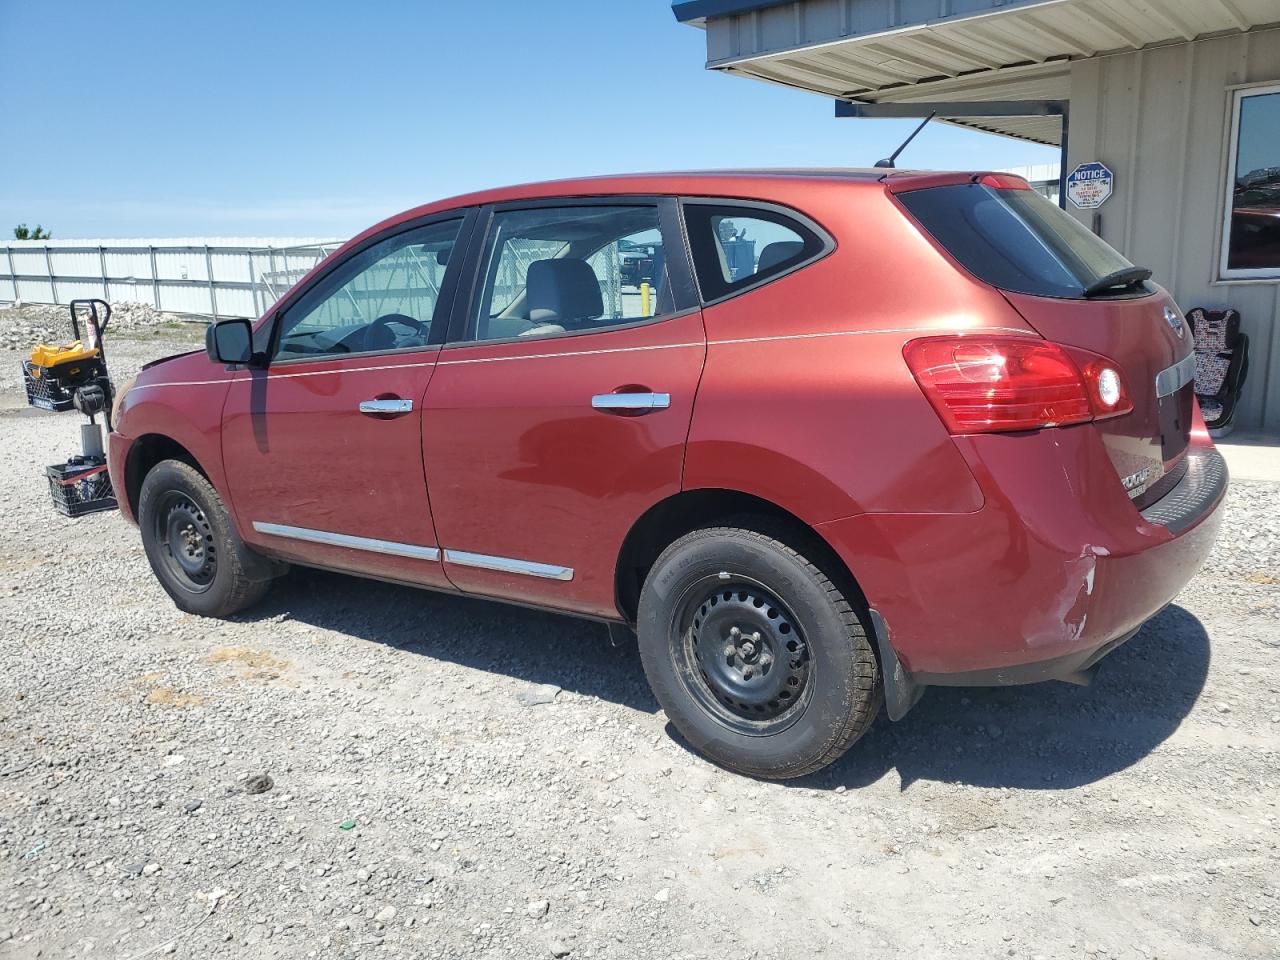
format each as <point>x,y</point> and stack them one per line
<point>187,539</point>
<point>748,654</point>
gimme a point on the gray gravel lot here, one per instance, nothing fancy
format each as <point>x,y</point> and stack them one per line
<point>418,808</point>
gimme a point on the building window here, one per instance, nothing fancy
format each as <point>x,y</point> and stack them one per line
<point>1251,234</point>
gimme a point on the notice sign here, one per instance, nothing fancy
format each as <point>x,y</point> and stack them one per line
<point>1090,185</point>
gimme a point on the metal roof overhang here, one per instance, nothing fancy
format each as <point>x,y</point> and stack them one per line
<point>952,50</point>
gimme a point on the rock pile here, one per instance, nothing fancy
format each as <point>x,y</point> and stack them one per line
<point>23,326</point>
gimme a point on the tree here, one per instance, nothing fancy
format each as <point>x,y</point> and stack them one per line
<point>23,232</point>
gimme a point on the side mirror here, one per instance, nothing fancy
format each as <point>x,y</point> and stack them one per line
<point>229,341</point>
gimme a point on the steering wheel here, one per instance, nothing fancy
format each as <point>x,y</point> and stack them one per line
<point>378,336</point>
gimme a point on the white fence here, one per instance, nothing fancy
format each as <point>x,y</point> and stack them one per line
<point>198,277</point>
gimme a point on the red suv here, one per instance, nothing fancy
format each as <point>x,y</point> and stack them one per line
<point>867,431</point>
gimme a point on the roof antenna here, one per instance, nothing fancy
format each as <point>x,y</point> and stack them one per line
<point>887,162</point>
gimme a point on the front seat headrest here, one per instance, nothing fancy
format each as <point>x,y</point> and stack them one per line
<point>561,290</point>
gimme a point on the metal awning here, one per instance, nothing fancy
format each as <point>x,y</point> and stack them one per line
<point>872,51</point>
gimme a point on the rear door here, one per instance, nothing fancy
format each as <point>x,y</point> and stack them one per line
<point>323,449</point>
<point>1076,290</point>
<point>559,409</point>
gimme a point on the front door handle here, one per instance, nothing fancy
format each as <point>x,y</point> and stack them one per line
<point>386,407</point>
<point>630,402</point>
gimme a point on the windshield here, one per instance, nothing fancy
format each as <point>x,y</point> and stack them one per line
<point>1016,239</point>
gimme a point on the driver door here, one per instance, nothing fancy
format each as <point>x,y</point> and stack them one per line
<point>323,448</point>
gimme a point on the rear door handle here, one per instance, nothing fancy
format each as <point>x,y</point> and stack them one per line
<point>634,402</point>
<point>386,407</point>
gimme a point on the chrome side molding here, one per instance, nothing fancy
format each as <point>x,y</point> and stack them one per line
<point>1172,379</point>
<point>462,558</point>
<point>483,561</point>
<point>413,551</point>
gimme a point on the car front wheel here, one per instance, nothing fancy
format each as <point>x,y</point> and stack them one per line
<point>192,544</point>
<point>757,657</point>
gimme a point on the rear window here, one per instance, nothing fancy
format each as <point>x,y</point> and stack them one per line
<point>1016,239</point>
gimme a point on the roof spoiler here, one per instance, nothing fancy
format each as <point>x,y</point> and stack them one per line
<point>907,180</point>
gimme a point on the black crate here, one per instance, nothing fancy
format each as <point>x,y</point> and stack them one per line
<point>47,393</point>
<point>54,388</point>
<point>81,486</point>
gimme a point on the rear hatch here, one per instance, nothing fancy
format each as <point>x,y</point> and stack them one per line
<point>1075,290</point>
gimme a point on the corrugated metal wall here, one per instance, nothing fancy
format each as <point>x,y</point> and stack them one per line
<point>214,277</point>
<point>1160,119</point>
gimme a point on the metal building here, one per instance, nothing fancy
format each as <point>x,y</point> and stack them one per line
<point>1178,99</point>
<point>194,276</point>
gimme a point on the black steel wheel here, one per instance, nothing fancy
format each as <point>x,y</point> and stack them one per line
<point>186,536</point>
<point>742,657</point>
<point>756,655</point>
<point>192,544</point>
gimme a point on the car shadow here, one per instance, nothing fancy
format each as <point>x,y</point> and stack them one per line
<point>532,645</point>
<point>1047,736</point>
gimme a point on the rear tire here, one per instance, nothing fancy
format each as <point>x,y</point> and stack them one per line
<point>192,544</point>
<point>757,657</point>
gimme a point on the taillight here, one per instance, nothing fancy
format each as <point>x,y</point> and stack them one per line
<point>984,384</point>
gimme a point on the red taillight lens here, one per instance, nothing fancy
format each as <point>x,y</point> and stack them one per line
<point>988,384</point>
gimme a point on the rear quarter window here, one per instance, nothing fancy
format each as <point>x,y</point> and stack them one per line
<point>736,246</point>
<point>1015,239</point>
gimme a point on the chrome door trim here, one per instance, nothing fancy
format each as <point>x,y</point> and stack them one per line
<point>386,406</point>
<point>1172,379</point>
<point>483,561</point>
<point>410,550</point>
<point>631,401</point>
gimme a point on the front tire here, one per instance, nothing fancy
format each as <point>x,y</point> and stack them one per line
<point>757,657</point>
<point>192,544</point>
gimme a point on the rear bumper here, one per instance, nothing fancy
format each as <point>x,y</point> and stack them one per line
<point>1200,491</point>
<point>1056,570</point>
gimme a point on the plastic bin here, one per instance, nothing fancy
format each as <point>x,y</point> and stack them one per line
<point>81,486</point>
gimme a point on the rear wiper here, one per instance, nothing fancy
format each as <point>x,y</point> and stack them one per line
<point>1121,278</point>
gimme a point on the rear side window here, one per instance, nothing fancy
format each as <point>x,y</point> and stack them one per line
<point>736,247</point>
<point>1015,239</point>
<point>556,270</point>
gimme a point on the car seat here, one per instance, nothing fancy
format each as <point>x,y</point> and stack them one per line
<point>1222,363</point>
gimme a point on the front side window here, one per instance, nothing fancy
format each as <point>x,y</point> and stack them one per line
<point>738,247</point>
<point>382,298</point>
<point>556,270</point>
<point>1251,234</point>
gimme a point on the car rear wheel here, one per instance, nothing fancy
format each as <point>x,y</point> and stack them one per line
<point>757,657</point>
<point>192,544</point>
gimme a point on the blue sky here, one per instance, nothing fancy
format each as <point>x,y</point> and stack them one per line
<point>275,118</point>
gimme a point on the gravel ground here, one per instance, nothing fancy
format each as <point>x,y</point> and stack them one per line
<point>421,803</point>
